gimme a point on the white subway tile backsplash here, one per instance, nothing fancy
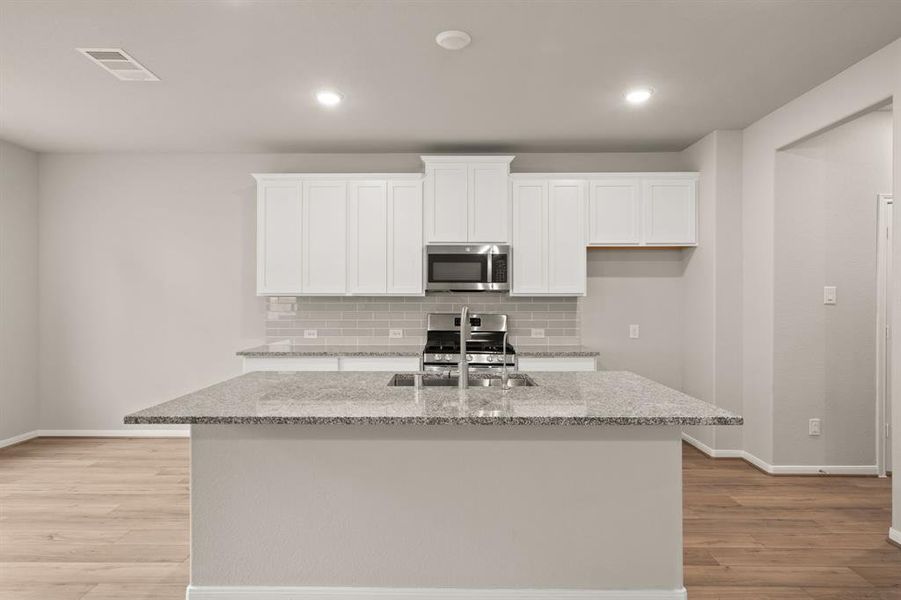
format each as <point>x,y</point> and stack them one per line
<point>359,321</point>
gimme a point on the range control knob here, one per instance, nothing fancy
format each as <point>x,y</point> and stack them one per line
<point>448,357</point>
<point>436,357</point>
<point>469,357</point>
<point>490,358</point>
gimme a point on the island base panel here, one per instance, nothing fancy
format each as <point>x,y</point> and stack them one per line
<point>470,507</point>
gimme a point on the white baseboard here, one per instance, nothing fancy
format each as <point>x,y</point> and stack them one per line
<point>711,451</point>
<point>782,469</point>
<point>360,593</point>
<point>138,433</point>
<point>18,439</point>
<point>894,535</point>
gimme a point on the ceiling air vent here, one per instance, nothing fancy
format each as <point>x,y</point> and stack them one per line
<point>119,63</point>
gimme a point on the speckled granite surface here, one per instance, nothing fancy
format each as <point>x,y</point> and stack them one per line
<point>313,398</point>
<point>555,352</point>
<point>283,350</point>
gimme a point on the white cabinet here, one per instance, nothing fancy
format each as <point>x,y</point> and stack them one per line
<point>354,234</point>
<point>279,236</point>
<point>529,237</point>
<point>670,212</point>
<point>566,268</point>
<point>447,202</point>
<point>659,209</point>
<point>614,210</point>
<point>368,237</point>
<point>548,237</point>
<point>405,248</point>
<point>324,237</point>
<point>388,364</point>
<point>488,202</point>
<point>561,364</point>
<point>467,198</point>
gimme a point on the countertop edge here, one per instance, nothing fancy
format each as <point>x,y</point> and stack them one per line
<point>490,421</point>
<point>312,353</point>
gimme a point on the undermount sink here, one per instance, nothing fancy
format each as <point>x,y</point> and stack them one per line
<point>475,380</point>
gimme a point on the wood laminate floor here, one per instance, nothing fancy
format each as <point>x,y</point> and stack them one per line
<point>107,519</point>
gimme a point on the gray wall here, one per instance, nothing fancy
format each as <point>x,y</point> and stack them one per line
<point>147,283</point>
<point>18,290</point>
<point>642,287</point>
<point>711,287</point>
<point>867,83</point>
<point>825,356</point>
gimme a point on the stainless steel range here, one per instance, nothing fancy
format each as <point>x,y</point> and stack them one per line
<point>485,347</point>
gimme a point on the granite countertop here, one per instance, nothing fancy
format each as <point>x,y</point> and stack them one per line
<point>555,352</point>
<point>284,350</point>
<point>320,398</point>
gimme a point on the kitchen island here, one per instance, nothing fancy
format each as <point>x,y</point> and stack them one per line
<point>337,485</point>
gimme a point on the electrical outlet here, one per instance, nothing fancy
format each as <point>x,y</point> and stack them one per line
<point>538,333</point>
<point>310,334</point>
<point>395,333</point>
<point>829,294</point>
<point>813,427</point>
<point>634,332</point>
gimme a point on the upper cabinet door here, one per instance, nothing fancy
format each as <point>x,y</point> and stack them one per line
<point>405,248</point>
<point>368,237</point>
<point>447,202</point>
<point>530,237</point>
<point>614,209</point>
<point>670,212</point>
<point>566,270</point>
<point>488,202</point>
<point>324,237</point>
<point>279,237</point>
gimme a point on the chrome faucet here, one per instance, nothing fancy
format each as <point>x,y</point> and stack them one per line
<point>463,367</point>
<point>505,376</point>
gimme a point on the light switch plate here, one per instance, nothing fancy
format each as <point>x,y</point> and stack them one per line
<point>538,333</point>
<point>829,295</point>
<point>813,427</point>
<point>634,332</point>
<point>310,334</point>
<point>395,333</point>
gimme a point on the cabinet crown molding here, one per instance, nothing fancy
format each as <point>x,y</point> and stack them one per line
<point>505,159</point>
<point>336,176</point>
<point>609,174</point>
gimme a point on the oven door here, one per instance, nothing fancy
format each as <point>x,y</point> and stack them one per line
<point>462,268</point>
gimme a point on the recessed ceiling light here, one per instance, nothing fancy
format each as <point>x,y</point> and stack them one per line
<point>453,40</point>
<point>329,97</point>
<point>639,95</point>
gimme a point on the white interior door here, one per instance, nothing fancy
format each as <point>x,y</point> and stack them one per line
<point>884,335</point>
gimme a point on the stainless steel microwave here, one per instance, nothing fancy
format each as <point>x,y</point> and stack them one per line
<point>468,268</point>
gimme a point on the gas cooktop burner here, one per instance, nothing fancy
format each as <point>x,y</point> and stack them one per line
<point>484,349</point>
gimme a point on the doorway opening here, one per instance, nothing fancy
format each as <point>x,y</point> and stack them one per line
<point>831,292</point>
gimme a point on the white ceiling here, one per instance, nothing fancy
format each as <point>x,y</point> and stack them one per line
<point>239,75</point>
